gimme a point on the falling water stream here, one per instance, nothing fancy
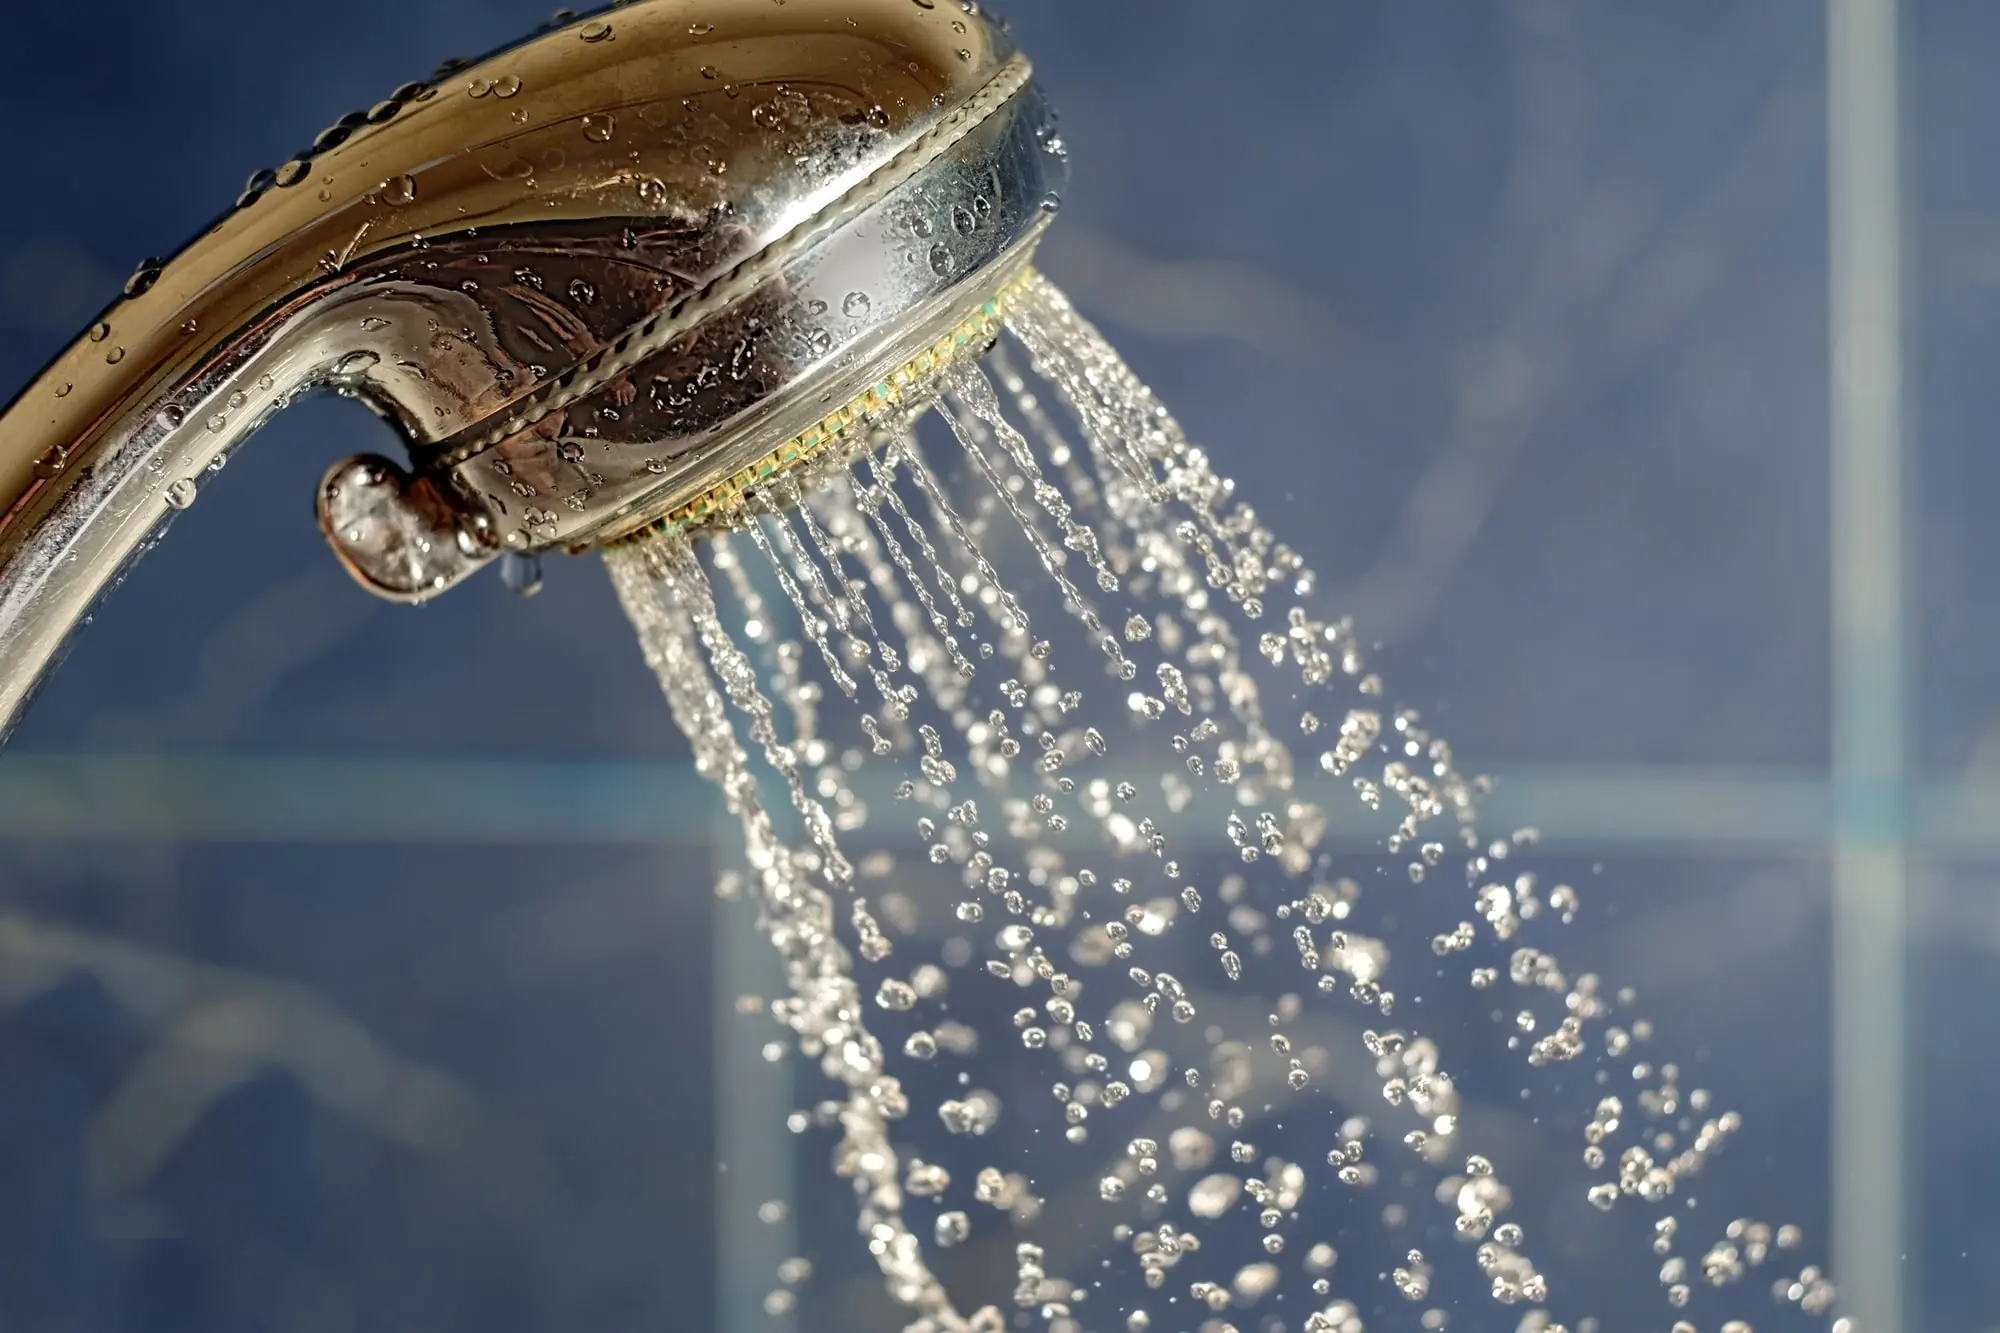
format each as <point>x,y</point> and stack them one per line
<point>981,824</point>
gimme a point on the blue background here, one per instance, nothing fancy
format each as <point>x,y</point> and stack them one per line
<point>1511,315</point>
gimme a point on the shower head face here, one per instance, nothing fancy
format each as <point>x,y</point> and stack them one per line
<point>599,280</point>
<point>731,346</point>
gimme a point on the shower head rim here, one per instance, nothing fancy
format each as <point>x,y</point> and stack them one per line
<point>662,327</point>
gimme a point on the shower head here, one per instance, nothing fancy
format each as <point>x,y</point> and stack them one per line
<point>610,278</point>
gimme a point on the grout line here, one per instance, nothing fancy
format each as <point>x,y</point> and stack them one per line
<point>755,1154</point>
<point>1872,1194</point>
<point>1680,810</point>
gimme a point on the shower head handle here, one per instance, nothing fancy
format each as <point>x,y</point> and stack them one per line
<point>603,279</point>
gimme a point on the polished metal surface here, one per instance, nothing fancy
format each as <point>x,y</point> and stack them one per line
<point>606,278</point>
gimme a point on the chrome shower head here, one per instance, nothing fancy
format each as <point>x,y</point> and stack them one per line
<point>609,278</point>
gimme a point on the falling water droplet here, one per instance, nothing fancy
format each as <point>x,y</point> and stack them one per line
<point>521,574</point>
<point>1212,1196</point>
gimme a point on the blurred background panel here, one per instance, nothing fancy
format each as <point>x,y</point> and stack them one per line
<point>362,967</point>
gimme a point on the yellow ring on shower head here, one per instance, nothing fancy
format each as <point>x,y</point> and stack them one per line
<point>729,502</point>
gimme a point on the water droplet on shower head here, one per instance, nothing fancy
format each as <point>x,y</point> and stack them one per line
<point>399,190</point>
<point>99,331</point>
<point>350,367</point>
<point>653,193</point>
<point>180,493</point>
<point>506,85</point>
<point>599,128</point>
<point>143,277</point>
<point>856,306</point>
<point>52,461</point>
<point>596,30</point>
<point>292,173</point>
<point>333,136</point>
